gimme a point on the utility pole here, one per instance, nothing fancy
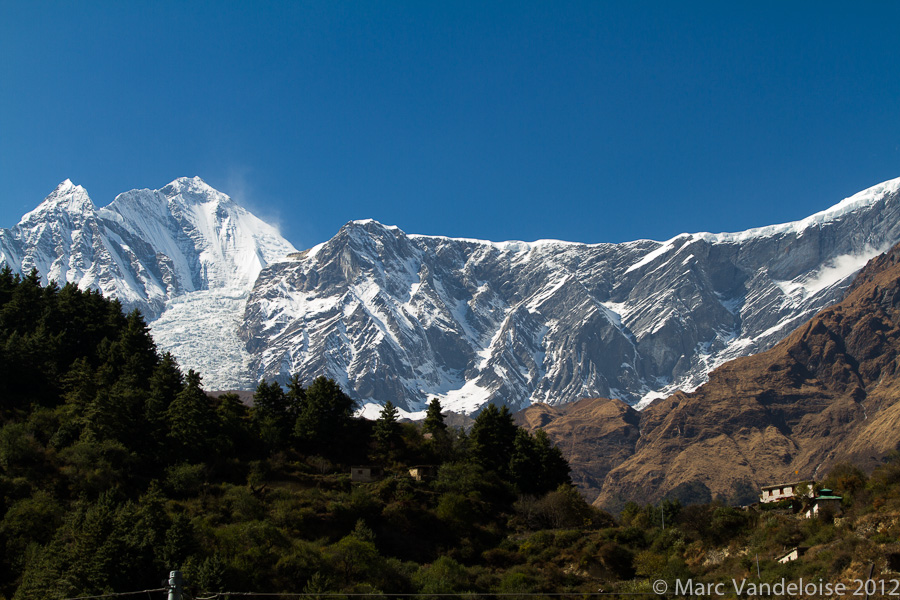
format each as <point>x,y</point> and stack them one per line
<point>869,577</point>
<point>175,585</point>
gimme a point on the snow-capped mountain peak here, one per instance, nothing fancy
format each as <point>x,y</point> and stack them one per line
<point>66,201</point>
<point>223,245</point>
<point>160,251</point>
<point>193,190</point>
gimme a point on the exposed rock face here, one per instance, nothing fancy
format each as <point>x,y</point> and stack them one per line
<point>825,394</point>
<point>406,318</point>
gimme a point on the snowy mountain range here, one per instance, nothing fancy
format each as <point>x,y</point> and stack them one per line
<point>402,317</point>
<point>409,317</point>
<point>185,255</point>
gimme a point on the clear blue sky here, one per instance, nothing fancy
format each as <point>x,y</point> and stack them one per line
<point>587,121</point>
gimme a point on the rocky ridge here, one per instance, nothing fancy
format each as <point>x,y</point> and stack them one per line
<point>401,317</point>
<point>825,394</point>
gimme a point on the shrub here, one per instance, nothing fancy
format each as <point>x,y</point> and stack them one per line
<point>185,479</point>
<point>444,575</point>
<point>18,449</point>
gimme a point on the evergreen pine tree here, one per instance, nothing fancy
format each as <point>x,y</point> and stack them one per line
<point>137,349</point>
<point>271,415</point>
<point>79,390</point>
<point>8,282</point>
<point>147,533</point>
<point>387,430</point>
<point>324,417</point>
<point>115,413</point>
<point>441,442</point>
<point>296,395</point>
<point>492,438</point>
<point>78,384</point>
<point>192,421</point>
<point>25,306</point>
<point>165,383</point>
<point>233,423</point>
<point>525,464</point>
<point>554,468</point>
<point>434,420</point>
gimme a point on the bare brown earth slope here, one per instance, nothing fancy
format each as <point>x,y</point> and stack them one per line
<point>595,434</point>
<point>826,394</point>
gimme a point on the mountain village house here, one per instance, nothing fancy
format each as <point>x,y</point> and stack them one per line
<point>366,473</point>
<point>783,491</point>
<point>423,472</point>
<point>814,501</point>
<point>824,500</point>
<point>792,554</point>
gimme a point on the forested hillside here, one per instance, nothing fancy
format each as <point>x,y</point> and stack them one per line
<point>115,468</point>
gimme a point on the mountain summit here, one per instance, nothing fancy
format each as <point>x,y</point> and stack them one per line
<point>160,251</point>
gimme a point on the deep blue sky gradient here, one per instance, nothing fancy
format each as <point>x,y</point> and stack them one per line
<point>587,121</point>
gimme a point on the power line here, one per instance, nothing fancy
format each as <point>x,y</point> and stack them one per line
<point>419,594</point>
<point>117,594</point>
<point>217,595</point>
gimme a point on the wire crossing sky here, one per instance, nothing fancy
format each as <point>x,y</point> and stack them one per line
<point>601,121</point>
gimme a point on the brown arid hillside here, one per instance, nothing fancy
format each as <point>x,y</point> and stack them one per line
<point>595,434</point>
<point>825,394</point>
